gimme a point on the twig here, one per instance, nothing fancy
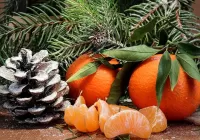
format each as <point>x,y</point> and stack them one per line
<point>146,16</point>
<point>178,29</point>
<point>179,22</point>
<point>194,37</point>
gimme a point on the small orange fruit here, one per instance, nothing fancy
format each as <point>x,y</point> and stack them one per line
<point>93,87</point>
<point>105,113</point>
<point>177,104</point>
<point>127,122</point>
<point>156,118</point>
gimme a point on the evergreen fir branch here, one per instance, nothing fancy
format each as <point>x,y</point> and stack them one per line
<point>98,26</point>
<point>31,31</point>
<point>181,20</point>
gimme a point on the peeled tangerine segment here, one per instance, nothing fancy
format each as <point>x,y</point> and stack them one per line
<point>105,113</point>
<point>69,115</point>
<point>82,118</point>
<point>79,122</point>
<point>92,119</point>
<point>79,101</point>
<point>156,118</point>
<point>70,111</point>
<point>128,122</point>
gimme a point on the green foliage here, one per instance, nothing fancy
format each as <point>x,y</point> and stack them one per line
<point>163,73</point>
<point>189,49</point>
<point>98,26</point>
<point>171,12</point>
<point>139,33</point>
<point>188,65</point>
<point>132,54</point>
<point>70,28</point>
<point>86,70</point>
<point>120,84</point>
<point>31,31</point>
<point>174,73</point>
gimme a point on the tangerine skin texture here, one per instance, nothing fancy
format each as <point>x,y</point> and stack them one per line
<point>177,104</point>
<point>93,87</point>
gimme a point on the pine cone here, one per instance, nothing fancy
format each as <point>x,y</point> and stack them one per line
<point>36,93</point>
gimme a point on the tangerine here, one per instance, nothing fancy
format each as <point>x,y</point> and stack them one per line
<point>177,104</point>
<point>95,86</point>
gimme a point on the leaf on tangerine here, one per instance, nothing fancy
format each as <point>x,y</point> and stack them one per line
<point>120,83</point>
<point>163,72</point>
<point>189,48</point>
<point>132,54</point>
<point>174,73</point>
<point>86,70</point>
<point>188,65</point>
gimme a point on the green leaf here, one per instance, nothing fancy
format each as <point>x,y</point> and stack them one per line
<point>188,65</point>
<point>139,33</point>
<point>163,72</point>
<point>174,73</point>
<point>120,83</point>
<point>132,54</point>
<point>189,49</point>
<point>86,70</point>
<point>163,37</point>
<point>123,137</point>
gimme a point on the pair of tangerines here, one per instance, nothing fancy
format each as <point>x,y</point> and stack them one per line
<point>176,105</point>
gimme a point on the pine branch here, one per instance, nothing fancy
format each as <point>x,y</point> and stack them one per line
<point>32,31</point>
<point>146,16</point>
<point>98,26</point>
<point>180,22</point>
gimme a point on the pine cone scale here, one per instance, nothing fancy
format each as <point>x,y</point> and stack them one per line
<point>16,89</point>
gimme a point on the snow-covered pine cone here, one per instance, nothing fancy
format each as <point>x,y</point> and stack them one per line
<point>36,93</point>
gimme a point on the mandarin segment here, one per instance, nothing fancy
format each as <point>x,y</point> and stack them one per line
<point>95,86</point>
<point>69,115</point>
<point>177,104</point>
<point>105,113</point>
<point>92,119</point>
<point>70,111</point>
<point>79,101</point>
<point>156,118</point>
<point>80,118</point>
<point>127,122</point>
